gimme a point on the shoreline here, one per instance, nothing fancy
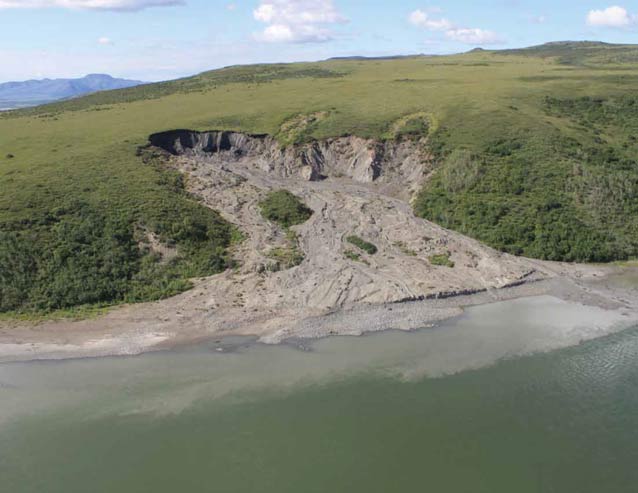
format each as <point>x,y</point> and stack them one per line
<point>102,337</point>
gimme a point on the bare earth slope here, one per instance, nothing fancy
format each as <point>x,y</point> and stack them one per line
<point>356,187</point>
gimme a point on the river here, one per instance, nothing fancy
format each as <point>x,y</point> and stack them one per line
<point>531,395</point>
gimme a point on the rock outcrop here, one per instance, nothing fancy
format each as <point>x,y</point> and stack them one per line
<point>362,160</point>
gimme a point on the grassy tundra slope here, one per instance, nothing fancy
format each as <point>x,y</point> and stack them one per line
<point>536,154</point>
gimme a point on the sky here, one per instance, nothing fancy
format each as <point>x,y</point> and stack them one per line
<point>154,40</point>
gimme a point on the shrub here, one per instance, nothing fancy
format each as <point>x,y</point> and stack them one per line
<point>362,244</point>
<point>546,192</point>
<point>78,255</point>
<point>285,209</point>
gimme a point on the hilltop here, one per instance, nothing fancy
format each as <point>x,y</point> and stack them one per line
<point>532,152</point>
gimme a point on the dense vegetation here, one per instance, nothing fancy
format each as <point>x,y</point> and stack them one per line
<point>76,253</point>
<point>535,149</point>
<point>549,194</point>
<point>285,209</point>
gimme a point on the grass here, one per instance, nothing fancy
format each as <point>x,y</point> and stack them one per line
<point>364,245</point>
<point>285,209</point>
<point>628,263</point>
<point>442,260</point>
<point>289,256</point>
<point>405,249</point>
<point>535,151</point>
<point>286,258</point>
<point>354,256</point>
<point>81,312</point>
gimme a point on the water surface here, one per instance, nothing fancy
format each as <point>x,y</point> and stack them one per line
<point>534,395</point>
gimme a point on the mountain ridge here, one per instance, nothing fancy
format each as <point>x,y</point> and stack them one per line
<point>17,94</point>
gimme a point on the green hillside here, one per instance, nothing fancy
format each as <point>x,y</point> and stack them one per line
<point>536,151</point>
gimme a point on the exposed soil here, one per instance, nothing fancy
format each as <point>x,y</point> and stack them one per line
<point>356,187</point>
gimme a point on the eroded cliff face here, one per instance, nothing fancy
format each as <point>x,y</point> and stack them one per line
<point>179,142</point>
<point>394,164</point>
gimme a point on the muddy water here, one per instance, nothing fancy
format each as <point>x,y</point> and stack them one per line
<point>533,395</point>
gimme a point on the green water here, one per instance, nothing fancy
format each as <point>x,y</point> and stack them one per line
<point>535,395</point>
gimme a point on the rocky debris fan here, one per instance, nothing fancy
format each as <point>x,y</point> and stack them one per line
<point>356,187</point>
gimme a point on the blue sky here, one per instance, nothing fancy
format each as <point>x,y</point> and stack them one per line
<point>163,39</point>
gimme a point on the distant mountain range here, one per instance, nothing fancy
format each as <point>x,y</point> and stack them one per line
<point>35,92</point>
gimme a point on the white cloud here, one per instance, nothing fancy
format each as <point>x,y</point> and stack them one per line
<point>118,5</point>
<point>538,19</point>
<point>473,36</point>
<point>297,21</point>
<point>104,41</point>
<point>231,6</point>
<point>422,19</point>
<point>611,17</point>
